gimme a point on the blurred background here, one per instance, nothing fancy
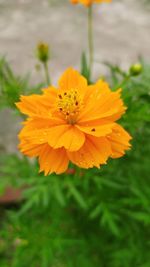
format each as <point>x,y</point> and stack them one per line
<point>121,33</point>
<point>100,218</point>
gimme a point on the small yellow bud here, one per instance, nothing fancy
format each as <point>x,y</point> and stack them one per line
<point>43,52</point>
<point>136,69</point>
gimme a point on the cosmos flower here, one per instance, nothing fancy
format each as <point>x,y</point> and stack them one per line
<point>74,123</point>
<point>89,2</point>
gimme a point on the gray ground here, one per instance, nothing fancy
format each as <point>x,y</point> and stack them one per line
<point>121,34</point>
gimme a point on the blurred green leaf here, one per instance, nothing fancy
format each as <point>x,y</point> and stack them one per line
<point>84,67</point>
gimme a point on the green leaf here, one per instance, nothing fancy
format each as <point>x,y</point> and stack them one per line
<point>95,212</point>
<point>57,191</point>
<point>85,71</point>
<point>77,196</point>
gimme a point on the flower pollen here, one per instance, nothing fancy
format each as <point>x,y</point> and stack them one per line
<point>69,104</point>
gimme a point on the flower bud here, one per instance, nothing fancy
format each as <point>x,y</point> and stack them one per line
<point>43,52</point>
<point>135,69</point>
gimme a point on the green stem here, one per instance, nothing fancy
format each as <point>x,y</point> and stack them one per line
<point>47,77</point>
<point>125,80</point>
<point>90,38</point>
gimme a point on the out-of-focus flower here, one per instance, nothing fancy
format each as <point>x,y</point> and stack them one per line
<point>136,69</point>
<point>76,122</point>
<point>74,1</point>
<point>89,2</point>
<point>42,52</point>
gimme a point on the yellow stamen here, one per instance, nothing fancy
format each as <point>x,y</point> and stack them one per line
<point>69,104</point>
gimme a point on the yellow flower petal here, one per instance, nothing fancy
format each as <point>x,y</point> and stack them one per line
<point>30,150</point>
<point>66,136</point>
<point>119,140</point>
<point>37,105</point>
<point>100,130</point>
<point>53,160</point>
<point>71,79</point>
<point>102,104</point>
<point>94,152</point>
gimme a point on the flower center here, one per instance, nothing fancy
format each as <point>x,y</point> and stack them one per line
<point>69,104</point>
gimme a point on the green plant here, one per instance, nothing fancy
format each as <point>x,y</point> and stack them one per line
<point>12,85</point>
<point>97,218</point>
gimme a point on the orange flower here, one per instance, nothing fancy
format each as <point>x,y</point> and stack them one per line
<point>76,122</point>
<point>89,2</point>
